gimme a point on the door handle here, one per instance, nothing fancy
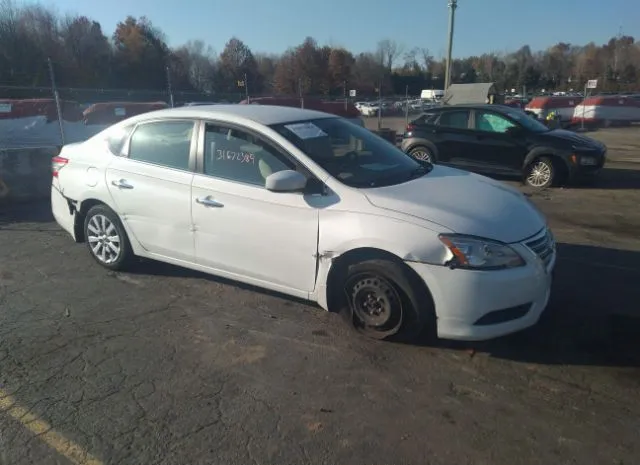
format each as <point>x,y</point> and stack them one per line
<point>208,202</point>
<point>122,184</point>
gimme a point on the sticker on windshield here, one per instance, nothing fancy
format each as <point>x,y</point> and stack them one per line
<point>306,130</point>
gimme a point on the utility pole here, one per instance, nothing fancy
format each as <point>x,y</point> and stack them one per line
<point>344,83</point>
<point>246,88</point>
<point>406,106</point>
<point>300,93</point>
<point>616,51</point>
<point>380,104</point>
<point>56,97</point>
<point>453,4</point>
<point>169,86</point>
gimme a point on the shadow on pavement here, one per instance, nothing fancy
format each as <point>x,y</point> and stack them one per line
<point>154,268</point>
<point>612,178</point>
<point>593,317</point>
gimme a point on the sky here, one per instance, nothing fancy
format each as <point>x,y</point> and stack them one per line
<point>272,26</point>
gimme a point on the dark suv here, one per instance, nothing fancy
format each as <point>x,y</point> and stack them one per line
<point>501,140</point>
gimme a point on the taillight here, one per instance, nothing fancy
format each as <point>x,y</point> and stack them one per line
<point>410,127</point>
<point>57,163</point>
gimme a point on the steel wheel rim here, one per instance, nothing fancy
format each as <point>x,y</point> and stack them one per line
<point>104,239</point>
<point>423,155</point>
<point>375,302</point>
<point>540,174</point>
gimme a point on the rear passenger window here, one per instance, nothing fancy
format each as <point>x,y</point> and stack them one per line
<point>117,138</point>
<point>455,119</point>
<point>166,143</point>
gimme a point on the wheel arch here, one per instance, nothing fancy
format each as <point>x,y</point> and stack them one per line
<point>81,213</point>
<point>341,263</point>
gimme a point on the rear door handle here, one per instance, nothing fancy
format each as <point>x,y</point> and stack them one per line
<point>208,202</point>
<point>122,184</point>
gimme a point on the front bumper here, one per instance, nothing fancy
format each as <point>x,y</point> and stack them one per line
<point>478,305</point>
<point>580,170</point>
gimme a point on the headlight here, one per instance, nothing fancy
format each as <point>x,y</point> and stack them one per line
<point>479,254</point>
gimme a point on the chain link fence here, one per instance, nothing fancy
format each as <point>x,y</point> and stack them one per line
<point>32,117</point>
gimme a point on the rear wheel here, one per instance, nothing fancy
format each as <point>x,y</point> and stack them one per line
<point>422,153</point>
<point>106,238</point>
<point>383,300</point>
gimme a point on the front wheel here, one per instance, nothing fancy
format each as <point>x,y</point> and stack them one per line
<point>384,300</point>
<point>541,173</point>
<point>106,238</point>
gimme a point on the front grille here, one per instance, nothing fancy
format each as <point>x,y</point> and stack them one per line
<point>543,246</point>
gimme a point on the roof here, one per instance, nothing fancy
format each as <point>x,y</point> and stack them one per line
<point>469,93</point>
<point>262,114</point>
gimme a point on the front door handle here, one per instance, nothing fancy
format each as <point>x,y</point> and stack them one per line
<point>122,184</point>
<point>208,202</point>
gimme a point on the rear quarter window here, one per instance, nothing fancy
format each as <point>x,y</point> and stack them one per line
<point>117,138</point>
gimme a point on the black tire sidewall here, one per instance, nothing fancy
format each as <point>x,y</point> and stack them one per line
<point>417,312</point>
<point>552,167</point>
<point>126,253</point>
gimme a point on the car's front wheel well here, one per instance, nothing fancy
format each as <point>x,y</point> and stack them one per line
<point>81,213</point>
<point>340,267</point>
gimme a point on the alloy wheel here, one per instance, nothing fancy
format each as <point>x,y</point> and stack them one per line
<point>104,239</point>
<point>539,175</point>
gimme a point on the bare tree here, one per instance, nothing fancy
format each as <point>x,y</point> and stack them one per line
<point>388,52</point>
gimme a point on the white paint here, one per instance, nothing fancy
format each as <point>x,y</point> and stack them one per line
<point>620,112</point>
<point>272,240</point>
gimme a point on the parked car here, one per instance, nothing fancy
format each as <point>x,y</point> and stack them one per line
<point>308,204</point>
<point>498,139</point>
<point>369,109</point>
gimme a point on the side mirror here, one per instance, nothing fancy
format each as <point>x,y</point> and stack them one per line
<point>286,181</point>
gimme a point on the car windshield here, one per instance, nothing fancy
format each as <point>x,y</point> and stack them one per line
<point>352,154</point>
<point>528,122</point>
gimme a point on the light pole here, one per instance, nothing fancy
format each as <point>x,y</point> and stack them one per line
<point>453,4</point>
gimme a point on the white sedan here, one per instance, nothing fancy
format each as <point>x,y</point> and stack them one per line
<point>310,205</point>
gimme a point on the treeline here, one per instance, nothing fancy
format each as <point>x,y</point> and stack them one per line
<point>138,58</point>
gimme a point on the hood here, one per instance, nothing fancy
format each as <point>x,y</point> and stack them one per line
<point>464,203</point>
<point>573,138</point>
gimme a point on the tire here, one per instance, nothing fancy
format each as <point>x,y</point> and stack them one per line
<point>423,153</point>
<point>541,173</point>
<point>104,234</point>
<point>401,311</point>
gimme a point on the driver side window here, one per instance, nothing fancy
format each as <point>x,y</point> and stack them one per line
<point>492,122</point>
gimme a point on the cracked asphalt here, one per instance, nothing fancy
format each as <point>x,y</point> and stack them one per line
<point>171,367</point>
